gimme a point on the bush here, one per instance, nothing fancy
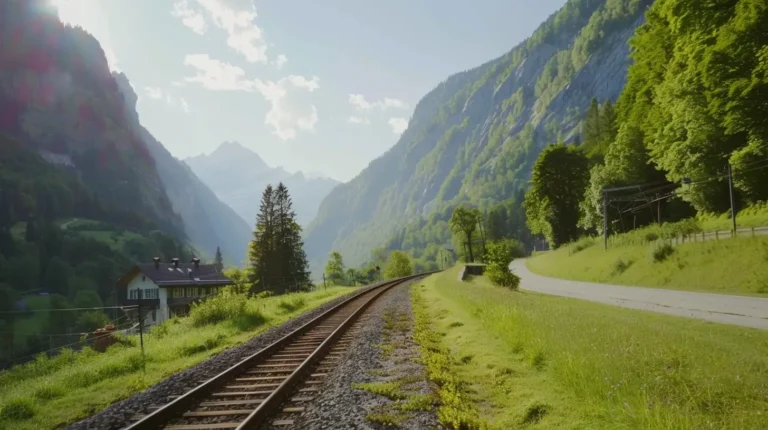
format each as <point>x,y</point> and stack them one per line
<point>620,266</point>
<point>221,307</point>
<point>661,251</point>
<point>582,244</point>
<point>500,255</point>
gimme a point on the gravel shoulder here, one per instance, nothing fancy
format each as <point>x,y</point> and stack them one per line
<point>380,359</point>
<point>727,309</point>
<point>117,415</point>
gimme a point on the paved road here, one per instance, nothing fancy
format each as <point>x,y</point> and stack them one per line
<point>738,310</point>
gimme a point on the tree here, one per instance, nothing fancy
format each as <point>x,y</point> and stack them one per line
<point>56,276</point>
<point>464,221</point>
<point>398,265</point>
<point>560,177</point>
<point>218,260</point>
<point>334,270</point>
<point>500,255</point>
<point>277,252</point>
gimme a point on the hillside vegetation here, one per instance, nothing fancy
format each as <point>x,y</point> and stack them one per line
<point>474,137</point>
<point>534,361</point>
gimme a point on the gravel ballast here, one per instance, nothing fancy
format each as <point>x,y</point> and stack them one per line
<point>117,415</point>
<point>383,351</point>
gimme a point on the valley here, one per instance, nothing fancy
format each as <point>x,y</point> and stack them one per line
<point>573,234</point>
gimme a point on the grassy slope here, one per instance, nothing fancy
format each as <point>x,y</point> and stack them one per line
<point>73,386</point>
<point>539,361</point>
<point>730,266</point>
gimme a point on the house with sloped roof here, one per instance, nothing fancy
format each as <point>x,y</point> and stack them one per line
<point>168,289</point>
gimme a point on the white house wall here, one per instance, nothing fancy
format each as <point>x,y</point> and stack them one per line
<point>142,282</point>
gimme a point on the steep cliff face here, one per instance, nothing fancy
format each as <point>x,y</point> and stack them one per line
<point>208,222</point>
<point>238,176</point>
<point>58,97</point>
<point>474,137</point>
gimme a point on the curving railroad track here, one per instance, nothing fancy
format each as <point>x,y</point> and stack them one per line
<point>270,387</point>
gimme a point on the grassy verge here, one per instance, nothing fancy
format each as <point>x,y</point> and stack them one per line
<point>535,361</point>
<point>753,216</point>
<point>731,266</point>
<point>53,392</point>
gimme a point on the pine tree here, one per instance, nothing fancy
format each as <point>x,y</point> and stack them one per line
<point>261,247</point>
<point>294,267</point>
<point>218,260</point>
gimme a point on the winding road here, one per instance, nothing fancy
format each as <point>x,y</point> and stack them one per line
<point>727,309</point>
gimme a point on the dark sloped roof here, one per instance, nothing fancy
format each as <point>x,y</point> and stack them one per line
<point>166,275</point>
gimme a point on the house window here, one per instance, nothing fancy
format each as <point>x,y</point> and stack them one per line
<point>133,294</point>
<point>151,293</point>
<point>214,290</point>
<point>178,293</point>
<point>191,292</point>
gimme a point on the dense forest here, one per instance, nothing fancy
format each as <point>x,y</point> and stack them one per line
<point>474,139</point>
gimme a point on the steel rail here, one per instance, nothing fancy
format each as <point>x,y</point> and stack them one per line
<point>177,407</point>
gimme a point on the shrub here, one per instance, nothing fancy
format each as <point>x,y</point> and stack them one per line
<point>651,237</point>
<point>620,266</point>
<point>582,244</point>
<point>661,251</point>
<point>500,255</point>
<point>221,307</point>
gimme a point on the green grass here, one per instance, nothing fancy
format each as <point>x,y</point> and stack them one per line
<point>728,266</point>
<point>753,216</point>
<point>551,362</point>
<point>53,392</point>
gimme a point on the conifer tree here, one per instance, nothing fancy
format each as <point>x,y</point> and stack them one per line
<point>219,260</point>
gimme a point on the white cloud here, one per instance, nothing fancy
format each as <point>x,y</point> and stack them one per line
<point>236,18</point>
<point>398,125</point>
<point>358,120</point>
<point>153,92</point>
<point>392,103</point>
<point>184,105</point>
<point>280,61</point>
<point>361,104</point>
<point>190,18</point>
<point>217,75</point>
<point>289,111</point>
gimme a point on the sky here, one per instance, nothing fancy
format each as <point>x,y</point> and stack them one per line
<point>322,87</point>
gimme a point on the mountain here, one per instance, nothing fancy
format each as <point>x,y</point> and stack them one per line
<point>58,97</point>
<point>475,137</point>
<point>238,176</point>
<point>208,222</point>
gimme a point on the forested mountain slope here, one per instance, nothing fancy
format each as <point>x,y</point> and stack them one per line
<point>58,96</point>
<point>238,176</point>
<point>209,223</point>
<point>474,137</point>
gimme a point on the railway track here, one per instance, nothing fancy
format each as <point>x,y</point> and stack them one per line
<point>270,387</point>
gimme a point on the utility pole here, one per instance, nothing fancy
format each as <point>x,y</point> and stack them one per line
<point>605,219</point>
<point>733,206</point>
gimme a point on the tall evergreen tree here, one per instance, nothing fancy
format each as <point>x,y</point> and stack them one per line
<point>276,252</point>
<point>261,247</point>
<point>592,132</point>
<point>218,260</point>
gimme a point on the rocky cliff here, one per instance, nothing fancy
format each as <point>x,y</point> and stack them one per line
<point>474,137</point>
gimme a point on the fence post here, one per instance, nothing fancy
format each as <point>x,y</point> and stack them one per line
<point>753,232</point>
<point>141,330</point>
<point>717,235</point>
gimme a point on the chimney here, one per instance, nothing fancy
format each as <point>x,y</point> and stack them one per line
<point>196,261</point>
<point>175,262</point>
<point>157,263</point>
